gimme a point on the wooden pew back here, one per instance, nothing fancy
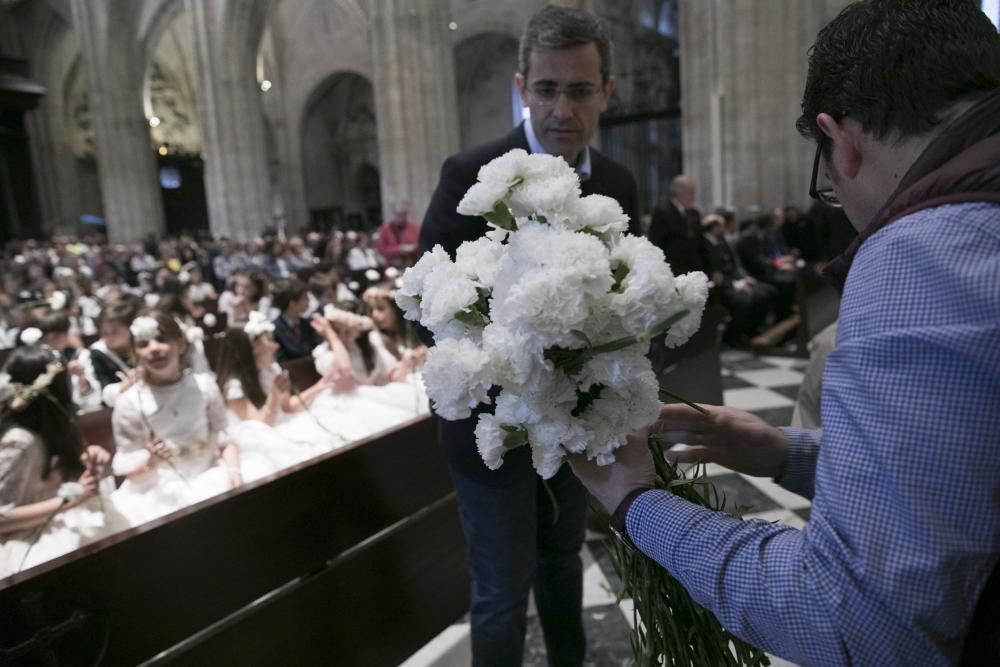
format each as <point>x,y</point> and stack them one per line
<point>355,558</point>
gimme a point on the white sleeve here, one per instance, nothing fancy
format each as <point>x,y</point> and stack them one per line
<point>234,390</point>
<point>110,393</point>
<point>131,434</point>
<point>323,358</point>
<point>215,408</point>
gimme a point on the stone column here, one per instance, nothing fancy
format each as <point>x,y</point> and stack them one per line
<point>415,99</point>
<point>133,206</point>
<point>226,37</point>
<point>743,69</point>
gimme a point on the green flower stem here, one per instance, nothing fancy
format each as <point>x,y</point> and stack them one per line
<point>298,395</point>
<point>670,627</point>
<point>572,360</point>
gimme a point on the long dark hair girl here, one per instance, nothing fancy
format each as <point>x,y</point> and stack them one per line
<point>236,361</point>
<point>49,415</point>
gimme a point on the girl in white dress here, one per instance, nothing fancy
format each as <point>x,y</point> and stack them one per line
<point>170,429</point>
<point>264,415</point>
<point>48,480</point>
<point>383,397</point>
<point>394,330</point>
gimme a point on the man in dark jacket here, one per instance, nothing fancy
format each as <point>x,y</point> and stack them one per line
<point>514,544</point>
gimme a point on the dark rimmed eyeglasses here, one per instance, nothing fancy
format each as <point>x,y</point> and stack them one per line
<point>547,94</point>
<point>826,195</point>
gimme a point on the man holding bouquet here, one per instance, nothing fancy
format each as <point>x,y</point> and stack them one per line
<point>515,541</point>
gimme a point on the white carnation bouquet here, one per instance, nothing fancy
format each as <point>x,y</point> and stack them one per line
<point>555,306</point>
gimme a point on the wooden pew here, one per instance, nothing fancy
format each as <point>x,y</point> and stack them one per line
<point>95,429</point>
<point>302,372</point>
<point>213,349</point>
<point>817,305</point>
<point>354,558</point>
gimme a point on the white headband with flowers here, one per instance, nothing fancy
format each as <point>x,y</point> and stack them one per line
<point>144,328</point>
<point>258,325</point>
<point>348,319</point>
<point>19,395</point>
<point>31,336</point>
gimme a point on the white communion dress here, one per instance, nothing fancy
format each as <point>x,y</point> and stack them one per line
<point>189,416</point>
<point>294,438</point>
<point>22,464</point>
<point>369,408</point>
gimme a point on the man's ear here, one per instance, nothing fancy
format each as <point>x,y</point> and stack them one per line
<point>846,156</point>
<point>519,81</point>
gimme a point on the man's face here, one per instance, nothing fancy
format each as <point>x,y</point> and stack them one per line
<point>565,127</point>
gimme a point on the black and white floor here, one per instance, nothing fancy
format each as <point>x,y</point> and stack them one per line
<point>765,386</point>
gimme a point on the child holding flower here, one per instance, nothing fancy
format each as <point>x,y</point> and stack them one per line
<point>170,428</point>
<point>47,476</point>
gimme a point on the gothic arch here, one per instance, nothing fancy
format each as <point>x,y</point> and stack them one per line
<point>338,136</point>
<point>485,64</point>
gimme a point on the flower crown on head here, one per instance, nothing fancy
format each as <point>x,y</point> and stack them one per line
<point>258,325</point>
<point>348,319</point>
<point>31,335</point>
<point>376,293</point>
<point>19,396</point>
<point>144,327</point>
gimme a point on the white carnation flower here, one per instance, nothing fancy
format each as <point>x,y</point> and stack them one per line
<point>550,198</point>
<point>447,291</point>
<point>547,461</point>
<point>391,273</point>
<point>599,214</point>
<point>144,328</point>
<point>57,301</point>
<point>517,362</point>
<point>549,282</point>
<point>489,441</point>
<point>257,325</point>
<point>482,198</point>
<point>209,320</point>
<point>151,300</point>
<point>371,275</point>
<point>31,336</point>
<point>410,289</point>
<point>693,290</point>
<point>457,377</point>
<point>647,294</point>
<point>480,260</point>
<point>195,335</point>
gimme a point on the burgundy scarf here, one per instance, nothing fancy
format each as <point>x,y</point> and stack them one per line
<point>961,165</point>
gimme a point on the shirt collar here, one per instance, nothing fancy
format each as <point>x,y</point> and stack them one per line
<point>582,167</point>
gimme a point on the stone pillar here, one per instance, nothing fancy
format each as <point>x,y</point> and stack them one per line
<point>226,37</point>
<point>415,99</point>
<point>743,69</point>
<point>133,206</point>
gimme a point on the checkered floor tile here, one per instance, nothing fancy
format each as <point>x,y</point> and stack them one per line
<point>765,386</point>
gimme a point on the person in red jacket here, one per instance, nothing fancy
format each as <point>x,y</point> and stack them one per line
<point>398,238</point>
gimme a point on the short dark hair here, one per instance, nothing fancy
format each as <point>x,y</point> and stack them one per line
<point>122,312</point>
<point>56,322</point>
<point>286,291</point>
<point>897,65</point>
<point>563,28</point>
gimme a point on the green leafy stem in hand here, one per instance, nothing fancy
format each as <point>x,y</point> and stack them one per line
<point>572,360</point>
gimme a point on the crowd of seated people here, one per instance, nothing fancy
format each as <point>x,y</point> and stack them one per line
<point>754,263</point>
<point>87,326</point>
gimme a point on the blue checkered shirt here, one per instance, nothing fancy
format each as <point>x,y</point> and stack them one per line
<point>905,523</point>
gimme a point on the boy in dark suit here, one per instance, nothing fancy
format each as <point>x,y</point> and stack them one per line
<point>293,333</point>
